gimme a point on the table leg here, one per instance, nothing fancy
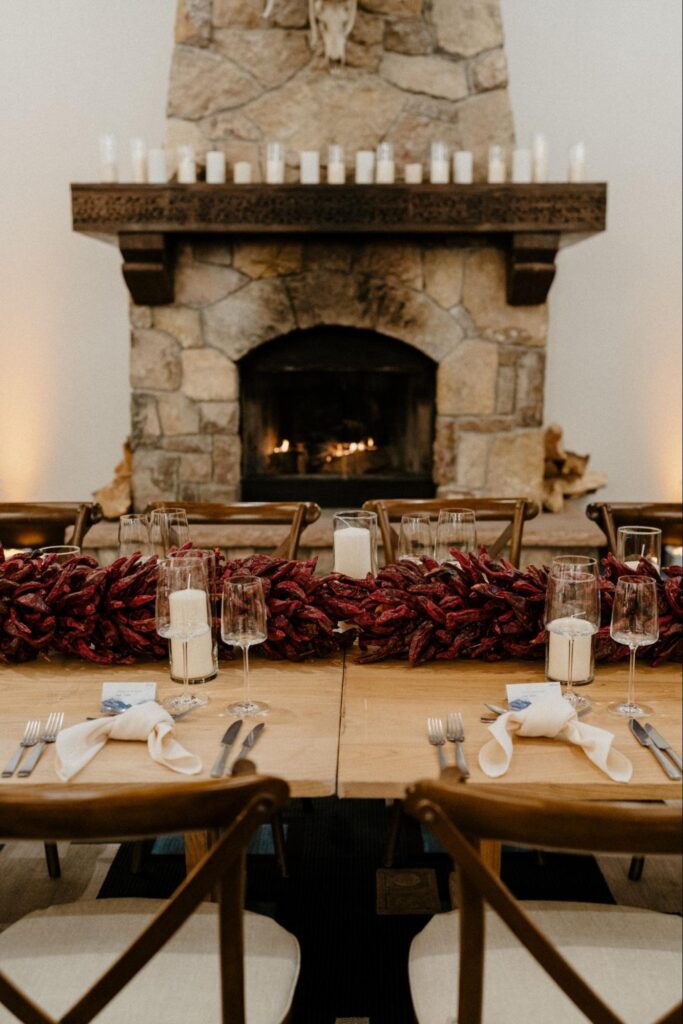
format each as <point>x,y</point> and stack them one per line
<point>196,846</point>
<point>489,851</point>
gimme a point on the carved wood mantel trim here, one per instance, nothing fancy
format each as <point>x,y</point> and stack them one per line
<point>528,220</point>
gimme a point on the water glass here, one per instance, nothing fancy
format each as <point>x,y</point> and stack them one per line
<point>636,542</point>
<point>168,528</point>
<point>183,614</point>
<point>415,537</point>
<point>134,536</point>
<point>456,528</point>
<point>355,543</point>
<point>243,624</point>
<point>59,553</point>
<point>572,616</point>
<point>635,622</point>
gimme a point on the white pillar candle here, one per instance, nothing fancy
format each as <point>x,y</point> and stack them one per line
<point>242,173</point>
<point>353,552</point>
<point>309,167</point>
<point>463,167</point>
<point>558,654</point>
<point>109,168</point>
<point>521,166</point>
<point>635,565</point>
<point>336,165</point>
<point>386,168</point>
<point>275,164</point>
<point>187,169</point>
<point>215,167</point>
<point>188,610</point>
<point>539,148</point>
<point>157,172</point>
<point>440,171</point>
<point>577,162</point>
<point>138,160</point>
<point>414,174</point>
<point>365,167</point>
<point>497,170</point>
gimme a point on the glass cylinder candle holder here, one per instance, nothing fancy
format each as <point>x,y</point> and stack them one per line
<point>557,659</point>
<point>242,173</point>
<point>539,149</point>
<point>637,542</point>
<point>496,165</point>
<point>336,166</point>
<point>138,160</point>
<point>440,171</point>
<point>109,171</point>
<point>275,163</point>
<point>187,169</point>
<point>577,163</point>
<point>309,167</point>
<point>202,651</point>
<point>365,167</point>
<point>157,170</point>
<point>355,543</point>
<point>386,168</point>
<point>215,167</point>
<point>414,174</point>
<point>521,166</point>
<point>463,167</point>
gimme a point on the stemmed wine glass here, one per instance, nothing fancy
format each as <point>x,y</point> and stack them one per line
<point>168,528</point>
<point>134,535</point>
<point>636,542</point>
<point>415,537</point>
<point>183,614</point>
<point>572,613</point>
<point>635,622</point>
<point>243,624</point>
<point>456,528</point>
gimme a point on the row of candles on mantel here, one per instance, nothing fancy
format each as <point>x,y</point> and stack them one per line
<point>371,167</point>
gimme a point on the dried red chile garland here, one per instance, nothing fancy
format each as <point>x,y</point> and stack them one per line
<point>481,609</point>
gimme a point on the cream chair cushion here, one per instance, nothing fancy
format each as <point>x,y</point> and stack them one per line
<point>632,958</point>
<point>55,954</point>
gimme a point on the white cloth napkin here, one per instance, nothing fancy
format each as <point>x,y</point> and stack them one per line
<point>552,716</point>
<point>77,745</point>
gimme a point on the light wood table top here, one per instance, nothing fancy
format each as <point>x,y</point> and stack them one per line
<point>300,742</point>
<point>384,748</point>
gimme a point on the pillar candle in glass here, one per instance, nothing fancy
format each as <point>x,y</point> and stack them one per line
<point>275,163</point>
<point>440,171</point>
<point>138,160</point>
<point>539,148</point>
<point>577,162</point>
<point>386,168</point>
<point>497,171</point>
<point>202,651</point>
<point>636,542</point>
<point>365,167</point>
<point>187,169</point>
<point>109,170</point>
<point>215,167</point>
<point>463,167</point>
<point>355,543</point>
<point>414,174</point>
<point>309,167</point>
<point>336,167</point>
<point>521,166</point>
<point>242,173</point>
<point>157,171</point>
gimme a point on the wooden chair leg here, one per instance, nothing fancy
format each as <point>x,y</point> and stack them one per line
<point>52,860</point>
<point>635,871</point>
<point>279,844</point>
<point>394,833</point>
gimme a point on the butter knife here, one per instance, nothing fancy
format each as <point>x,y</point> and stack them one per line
<point>250,741</point>
<point>227,742</point>
<point>660,742</point>
<point>643,738</point>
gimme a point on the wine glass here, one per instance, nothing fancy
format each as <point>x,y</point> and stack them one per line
<point>456,528</point>
<point>134,536</point>
<point>415,537</point>
<point>572,616</point>
<point>60,553</point>
<point>183,616</point>
<point>635,622</point>
<point>636,542</point>
<point>243,624</point>
<point>168,529</point>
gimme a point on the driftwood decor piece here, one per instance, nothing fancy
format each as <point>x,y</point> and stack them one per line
<point>527,220</point>
<point>566,473</point>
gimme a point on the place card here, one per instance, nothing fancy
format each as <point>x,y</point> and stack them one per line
<point>118,697</point>
<point>529,692</point>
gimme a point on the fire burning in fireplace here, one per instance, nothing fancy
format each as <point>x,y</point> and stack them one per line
<point>343,457</point>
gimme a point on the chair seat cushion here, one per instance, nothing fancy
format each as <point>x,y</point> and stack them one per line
<point>54,955</point>
<point>632,958</point>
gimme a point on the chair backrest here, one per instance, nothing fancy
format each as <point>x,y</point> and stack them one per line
<point>37,523</point>
<point>236,806</point>
<point>513,511</point>
<point>610,515</point>
<point>295,514</point>
<point>460,816</point>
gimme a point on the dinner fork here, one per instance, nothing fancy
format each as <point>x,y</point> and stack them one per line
<point>455,733</point>
<point>54,724</point>
<point>437,738</point>
<point>29,739</point>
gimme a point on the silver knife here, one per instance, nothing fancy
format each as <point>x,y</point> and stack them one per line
<point>642,737</point>
<point>660,742</point>
<point>250,741</point>
<point>227,742</point>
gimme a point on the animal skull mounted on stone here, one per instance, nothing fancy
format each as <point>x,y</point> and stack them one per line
<point>330,20</point>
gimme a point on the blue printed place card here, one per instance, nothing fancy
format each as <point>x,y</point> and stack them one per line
<point>118,697</point>
<point>520,695</point>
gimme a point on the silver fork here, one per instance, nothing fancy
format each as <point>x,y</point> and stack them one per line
<point>29,739</point>
<point>437,738</point>
<point>54,724</point>
<point>455,733</point>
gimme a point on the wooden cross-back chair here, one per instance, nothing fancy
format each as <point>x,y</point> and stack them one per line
<point>465,963</point>
<point>610,515</point>
<point>515,512</point>
<point>295,514</point>
<point>39,523</point>
<point>221,958</point>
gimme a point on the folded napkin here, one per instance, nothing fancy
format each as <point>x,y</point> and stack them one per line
<point>552,716</point>
<point>77,745</point>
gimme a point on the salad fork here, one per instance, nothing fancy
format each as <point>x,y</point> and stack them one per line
<point>455,732</point>
<point>29,739</point>
<point>437,738</point>
<point>54,724</point>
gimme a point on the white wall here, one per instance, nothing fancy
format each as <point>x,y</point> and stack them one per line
<point>607,71</point>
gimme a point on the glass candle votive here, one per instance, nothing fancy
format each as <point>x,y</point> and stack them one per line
<point>440,172</point>
<point>215,167</point>
<point>355,543</point>
<point>386,168</point>
<point>365,167</point>
<point>157,169</point>
<point>522,170</point>
<point>336,166</point>
<point>138,160</point>
<point>242,173</point>
<point>202,650</point>
<point>309,167</point>
<point>59,553</point>
<point>539,149</point>
<point>497,170</point>
<point>109,170</point>
<point>187,169</point>
<point>637,542</point>
<point>577,163</point>
<point>413,174</point>
<point>275,163</point>
<point>463,167</point>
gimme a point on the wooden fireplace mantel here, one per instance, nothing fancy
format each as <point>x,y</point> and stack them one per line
<point>529,221</point>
